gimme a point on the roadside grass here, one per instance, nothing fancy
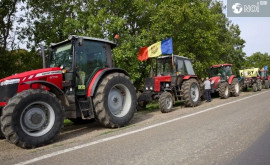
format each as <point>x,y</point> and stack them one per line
<point>67,122</point>
<point>117,129</point>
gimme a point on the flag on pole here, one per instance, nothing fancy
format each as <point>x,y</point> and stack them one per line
<point>155,50</point>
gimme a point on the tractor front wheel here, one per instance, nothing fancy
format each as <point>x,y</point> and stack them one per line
<point>191,92</point>
<point>255,87</point>
<point>115,100</point>
<point>165,102</point>
<point>141,105</point>
<point>259,82</point>
<point>235,87</point>
<point>32,118</point>
<point>266,84</point>
<point>224,90</point>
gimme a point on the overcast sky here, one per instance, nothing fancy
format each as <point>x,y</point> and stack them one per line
<point>255,31</point>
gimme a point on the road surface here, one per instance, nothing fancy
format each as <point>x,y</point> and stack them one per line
<point>231,131</point>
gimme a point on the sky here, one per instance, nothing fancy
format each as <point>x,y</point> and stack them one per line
<point>255,31</point>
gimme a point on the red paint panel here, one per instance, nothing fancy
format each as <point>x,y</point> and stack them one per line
<point>231,78</point>
<point>220,65</point>
<point>216,80</point>
<point>158,80</point>
<point>93,81</point>
<point>2,104</point>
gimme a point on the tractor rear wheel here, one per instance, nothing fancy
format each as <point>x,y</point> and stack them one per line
<point>32,118</point>
<point>2,136</point>
<point>235,88</point>
<point>266,84</point>
<point>165,102</point>
<point>191,92</point>
<point>255,87</point>
<point>115,100</point>
<point>224,90</point>
<point>259,83</point>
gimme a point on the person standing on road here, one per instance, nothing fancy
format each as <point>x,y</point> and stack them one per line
<point>207,89</point>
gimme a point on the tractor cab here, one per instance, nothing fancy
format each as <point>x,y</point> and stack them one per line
<point>80,58</point>
<point>264,74</point>
<point>173,66</point>
<point>224,71</point>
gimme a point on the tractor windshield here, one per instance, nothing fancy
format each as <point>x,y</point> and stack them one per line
<point>165,67</point>
<point>61,55</point>
<point>262,74</point>
<point>221,71</point>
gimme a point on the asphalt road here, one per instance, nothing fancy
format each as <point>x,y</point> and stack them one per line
<point>234,132</point>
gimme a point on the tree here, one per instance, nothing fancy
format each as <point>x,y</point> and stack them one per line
<point>200,30</point>
<point>258,60</point>
<point>7,16</point>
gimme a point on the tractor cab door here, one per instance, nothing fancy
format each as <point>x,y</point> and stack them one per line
<point>91,56</point>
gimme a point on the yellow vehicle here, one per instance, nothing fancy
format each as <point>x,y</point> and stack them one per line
<point>250,78</point>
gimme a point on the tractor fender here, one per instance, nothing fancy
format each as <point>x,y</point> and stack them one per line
<point>99,75</point>
<point>53,88</point>
<point>231,79</point>
<point>187,77</point>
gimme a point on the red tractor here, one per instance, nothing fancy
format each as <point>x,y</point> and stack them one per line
<point>80,83</point>
<point>174,80</point>
<point>225,83</point>
<point>265,77</point>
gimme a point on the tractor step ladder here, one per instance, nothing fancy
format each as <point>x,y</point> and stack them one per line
<point>86,108</point>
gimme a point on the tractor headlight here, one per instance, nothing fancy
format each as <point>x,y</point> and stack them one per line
<point>146,88</point>
<point>167,85</point>
<point>151,88</point>
<point>8,82</point>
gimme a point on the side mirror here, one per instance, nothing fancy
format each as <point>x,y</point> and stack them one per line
<point>80,41</point>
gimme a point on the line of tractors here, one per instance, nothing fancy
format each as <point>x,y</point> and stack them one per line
<point>79,82</point>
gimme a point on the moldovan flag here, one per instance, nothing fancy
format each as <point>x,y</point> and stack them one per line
<point>155,50</point>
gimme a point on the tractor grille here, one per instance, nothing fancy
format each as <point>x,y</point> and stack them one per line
<point>8,91</point>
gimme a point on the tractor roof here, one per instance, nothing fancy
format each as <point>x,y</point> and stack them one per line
<point>174,56</point>
<point>85,38</point>
<point>220,65</point>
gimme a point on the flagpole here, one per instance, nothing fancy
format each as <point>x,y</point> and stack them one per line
<point>151,73</point>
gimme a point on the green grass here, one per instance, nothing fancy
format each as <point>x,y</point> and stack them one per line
<point>67,122</point>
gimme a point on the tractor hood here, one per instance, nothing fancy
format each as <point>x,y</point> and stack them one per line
<point>216,80</point>
<point>33,74</point>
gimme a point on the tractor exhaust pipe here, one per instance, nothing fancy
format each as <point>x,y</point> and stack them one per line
<point>43,56</point>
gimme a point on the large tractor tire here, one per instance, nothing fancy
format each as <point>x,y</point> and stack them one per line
<point>255,87</point>
<point>259,83</point>
<point>224,90</point>
<point>2,136</point>
<point>32,118</point>
<point>191,92</point>
<point>235,87</point>
<point>115,100</point>
<point>165,102</point>
<point>266,84</point>
<point>141,105</point>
